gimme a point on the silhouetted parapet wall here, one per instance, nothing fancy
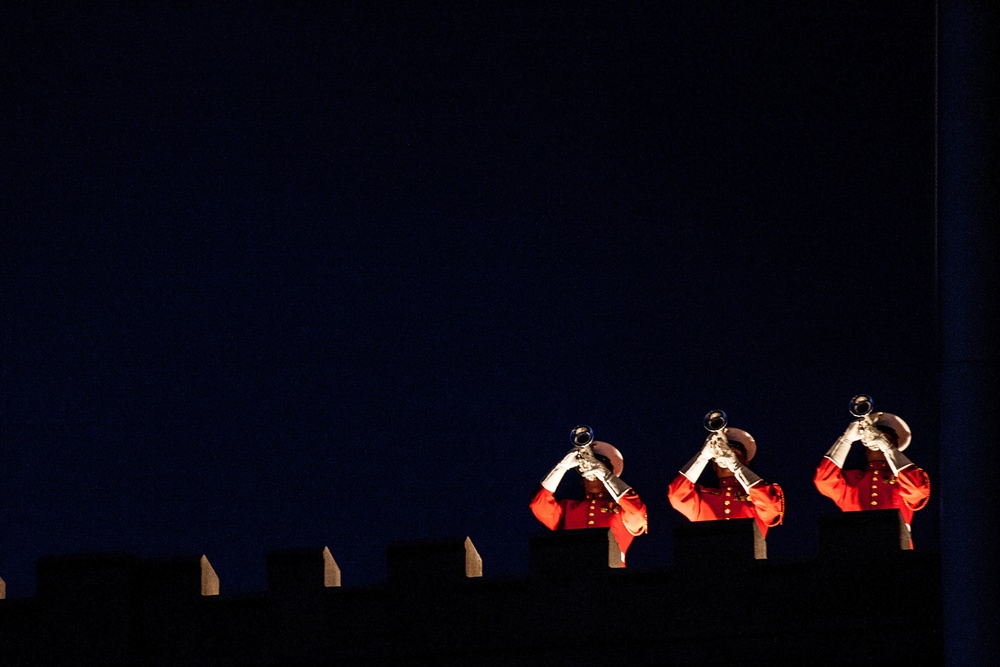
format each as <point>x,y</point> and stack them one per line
<point>84,578</point>
<point>85,606</point>
<point>81,578</point>
<point>862,535</point>
<point>301,572</point>
<point>181,579</point>
<point>432,561</point>
<point>130,611</point>
<point>573,552</point>
<point>295,619</point>
<point>112,607</point>
<point>170,602</point>
<point>713,543</point>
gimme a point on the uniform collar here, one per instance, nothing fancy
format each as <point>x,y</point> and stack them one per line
<point>726,482</point>
<point>877,465</point>
<point>600,495</point>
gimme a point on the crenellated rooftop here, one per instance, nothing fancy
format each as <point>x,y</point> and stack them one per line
<point>721,600</point>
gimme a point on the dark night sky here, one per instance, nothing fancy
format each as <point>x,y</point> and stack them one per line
<point>274,276</point>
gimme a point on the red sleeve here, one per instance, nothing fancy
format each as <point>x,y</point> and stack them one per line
<point>685,497</point>
<point>914,487</point>
<point>837,485</point>
<point>633,513</point>
<point>769,500</point>
<point>546,508</point>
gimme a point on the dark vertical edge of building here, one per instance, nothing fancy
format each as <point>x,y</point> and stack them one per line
<point>968,254</point>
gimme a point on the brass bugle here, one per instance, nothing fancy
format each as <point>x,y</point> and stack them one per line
<point>583,435</point>
<point>861,405</point>
<point>715,421</point>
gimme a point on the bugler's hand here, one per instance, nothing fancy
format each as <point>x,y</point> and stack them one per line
<point>728,461</point>
<point>598,471</point>
<point>569,461</point>
<point>882,444</point>
<point>723,454</point>
<point>715,446</point>
<point>588,464</point>
<point>854,431</point>
<point>873,439</point>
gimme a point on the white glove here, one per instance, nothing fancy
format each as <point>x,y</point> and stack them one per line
<point>872,438</point>
<point>746,477</point>
<point>568,462</point>
<point>693,468</point>
<point>615,486</point>
<point>588,464</point>
<point>881,443</point>
<point>593,468</point>
<point>726,458</point>
<point>838,452</point>
<point>893,456</point>
<point>854,432</point>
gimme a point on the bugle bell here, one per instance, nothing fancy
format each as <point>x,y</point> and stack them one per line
<point>715,421</point>
<point>861,405</point>
<point>582,436</point>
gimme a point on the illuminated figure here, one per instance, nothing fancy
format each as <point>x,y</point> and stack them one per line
<point>890,480</point>
<point>740,494</point>
<point>609,502</point>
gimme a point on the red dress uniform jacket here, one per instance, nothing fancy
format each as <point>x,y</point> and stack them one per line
<point>875,488</point>
<point>765,502</point>
<point>626,518</point>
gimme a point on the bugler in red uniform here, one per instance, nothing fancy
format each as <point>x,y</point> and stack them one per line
<point>763,502</point>
<point>740,495</point>
<point>626,518</point>
<point>876,488</point>
<point>891,481</point>
<point>609,503</point>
